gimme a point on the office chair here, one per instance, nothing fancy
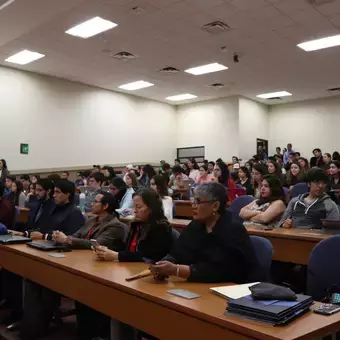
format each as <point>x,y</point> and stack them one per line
<point>264,254</point>
<point>240,202</point>
<point>298,189</point>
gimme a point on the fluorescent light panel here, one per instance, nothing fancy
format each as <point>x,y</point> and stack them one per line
<point>320,44</point>
<point>274,95</point>
<point>24,57</point>
<point>179,97</point>
<point>91,27</point>
<point>140,84</point>
<point>214,67</point>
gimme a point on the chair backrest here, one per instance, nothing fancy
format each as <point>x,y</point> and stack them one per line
<point>298,189</point>
<point>323,269</point>
<point>76,199</point>
<point>264,254</point>
<point>3,229</point>
<point>175,234</point>
<point>286,192</point>
<point>240,202</point>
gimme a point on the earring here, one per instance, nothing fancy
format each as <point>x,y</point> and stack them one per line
<point>214,213</point>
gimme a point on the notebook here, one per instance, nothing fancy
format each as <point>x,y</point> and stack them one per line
<point>233,292</point>
<point>48,246</point>
<point>9,239</point>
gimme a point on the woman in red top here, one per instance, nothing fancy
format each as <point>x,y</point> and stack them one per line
<point>150,236</point>
<point>221,172</point>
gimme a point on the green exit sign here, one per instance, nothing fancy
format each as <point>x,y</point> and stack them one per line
<point>24,149</point>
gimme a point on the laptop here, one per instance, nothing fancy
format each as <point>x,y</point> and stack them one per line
<point>49,246</point>
<point>187,182</point>
<point>9,239</point>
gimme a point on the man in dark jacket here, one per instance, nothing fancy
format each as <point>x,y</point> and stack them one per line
<point>7,209</point>
<point>317,160</point>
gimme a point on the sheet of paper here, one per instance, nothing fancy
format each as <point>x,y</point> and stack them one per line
<point>234,292</point>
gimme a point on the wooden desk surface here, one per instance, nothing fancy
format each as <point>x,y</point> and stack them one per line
<point>145,304</point>
<point>183,208</point>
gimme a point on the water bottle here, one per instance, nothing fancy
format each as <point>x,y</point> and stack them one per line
<point>82,202</point>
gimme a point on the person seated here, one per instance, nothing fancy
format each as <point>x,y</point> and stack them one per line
<point>3,171</point>
<point>8,184</point>
<point>222,175</point>
<point>317,160</point>
<point>236,164</point>
<point>49,214</point>
<point>334,181</point>
<point>158,184</point>
<point>96,181</point>
<point>148,173</point>
<point>304,164</point>
<point>166,172</point>
<point>79,182</point>
<point>65,175</point>
<point>150,236</point>
<point>306,210</point>
<point>205,177</point>
<point>295,175</point>
<point>269,208</point>
<point>275,170</point>
<point>26,181</point>
<point>7,209</point>
<point>177,162</point>
<point>245,180</point>
<point>259,170</point>
<point>177,177</point>
<point>211,166</point>
<point>109,232</point>
<point>123,194</point>
<point>327,159</point>
<point>194,173</point>
<point>96,168</point>
<point>109,174</point>
<point>213,247</point>
<point>31,196</point>
<point>131,181</point>
<point>17,194</point>
<point>35,179</point>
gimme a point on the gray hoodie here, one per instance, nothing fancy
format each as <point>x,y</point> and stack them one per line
<point>306,216</point>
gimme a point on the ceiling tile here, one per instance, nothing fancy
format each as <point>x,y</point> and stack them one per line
<point>248,4</point>
<point>329,8</point>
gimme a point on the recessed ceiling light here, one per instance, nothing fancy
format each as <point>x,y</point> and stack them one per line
<point>91,27</point>
<point>274,95</point>
<point>140,84</point>
<point>319,44</point>
<point>179,97</point>
<point>214,67</point>
<point>24,57</point>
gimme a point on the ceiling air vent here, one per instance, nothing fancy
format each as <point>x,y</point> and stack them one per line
<point>275,98</point>
<point>335,91</point>
<point>169,70</point>
<point>216,27</point>
<point>319,2</point>
<point>5,3</point>
<point>123,56</point>
<point>216,86</point>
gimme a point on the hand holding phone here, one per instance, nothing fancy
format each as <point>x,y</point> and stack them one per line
<point>94,243</point>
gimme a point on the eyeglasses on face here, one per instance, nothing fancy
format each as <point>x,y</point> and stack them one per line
<point>198,201</point>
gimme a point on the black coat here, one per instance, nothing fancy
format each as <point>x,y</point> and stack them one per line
<point>65,218</point>
<point>316,162</point>
<point>224,255</point>
<point>154,241</point>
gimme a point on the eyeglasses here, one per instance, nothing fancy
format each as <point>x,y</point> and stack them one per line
<point>197,201</point>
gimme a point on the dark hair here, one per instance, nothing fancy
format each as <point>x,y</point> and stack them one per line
<point>297,153</point>
<point>121,186</point>
<point>4,163</point>
<point>46,184</point>
<point>2,189</point>
<point>218,160</point>
<point>289,144</point>
<point>111,171</point>
<point>276,190</point>
<point>328,155</point>
<point>25,177</point>
<point>278,171</point>
<point>193,161</point>
<point>36,176</point>
<point>66,187</point>
<point>186,169</point>
<point>246,171</point>
<point>96,166</point>
<point>110,200</point>
<point>204,166</point>
<point>34,186</point>
<point>20,189</point>
<point>223,179</point>
<point>336,163</point>
<point>177,160</point>
<point>301,177</point>
<point>133,178</point>
<point>236,158</point>
<point>212,163</point>
<point>306,162</point>
<point>234,176</point>
<point>317,149</point>
<point>278,148</point>
<point>177,169</point>
<point>66,172</point>
<point>149,171</point>
<point>11,177</point>
<point>316,174</point>
<point>262,169</point>
<point>161,185</point>
<point>153,201</point>
<point>166,166</point>
<point>80,174</point>
<point>214,192</point>
<point>251,164</point>
<point>54,178</point>
<point>336,156</point>
<point>98,177</point>
<point>206,162</point>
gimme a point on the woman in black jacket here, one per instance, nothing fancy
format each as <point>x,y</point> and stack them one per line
<point>213,248</point>
<point>150,237</point>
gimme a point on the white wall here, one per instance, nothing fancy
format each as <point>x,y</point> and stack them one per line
<point>70,124</point>
<point>253,124</point>
<point>213,124</point>
<point>307,125</point>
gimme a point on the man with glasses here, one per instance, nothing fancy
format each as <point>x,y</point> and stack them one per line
<point>307,210</point>
<point>96,181</point>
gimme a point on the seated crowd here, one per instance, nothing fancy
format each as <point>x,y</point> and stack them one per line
<point>213,248</point>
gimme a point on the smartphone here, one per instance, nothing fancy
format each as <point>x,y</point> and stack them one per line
<point>327,309</point>
<point>335,298</point>
<point>94,243</point>
<point>148,261</point>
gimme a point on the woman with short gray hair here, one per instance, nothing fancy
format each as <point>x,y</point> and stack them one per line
<point>213,248</point>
